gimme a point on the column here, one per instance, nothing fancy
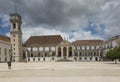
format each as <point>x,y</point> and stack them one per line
<point>99,55</point>
<point>73,52</point>
<point>26,54</point>
<point>61,52</point>
<point>67,52</point>
<point>78,56</point>
<point>56,51</point>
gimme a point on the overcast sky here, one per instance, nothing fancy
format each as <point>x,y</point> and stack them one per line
<point>72,19</point>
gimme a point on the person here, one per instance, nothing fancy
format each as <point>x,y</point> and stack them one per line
<point>9,65</point>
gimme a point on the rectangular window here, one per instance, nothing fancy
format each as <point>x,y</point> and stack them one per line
<point>29,49</point>
<point>46,48</point>
<point>78,48</point>
<point>83,48</point>
<point>14,40</point>
<point>88,48</point>
<point>14,25</point>
<point>52,48</point>
<point>92,47</point>
<point>13,35</point>
<point>35,49</point>
<point>5,59</point>
<point>41,49</point>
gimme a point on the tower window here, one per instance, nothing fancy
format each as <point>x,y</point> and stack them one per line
<point>13,39</point>
<point>14,25</point>
<point>13,35</point>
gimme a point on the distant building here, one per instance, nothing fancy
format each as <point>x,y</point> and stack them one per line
<point>111,43</point>
<point>5,48</point>
<point>88,50</point>
<point>50,47</point>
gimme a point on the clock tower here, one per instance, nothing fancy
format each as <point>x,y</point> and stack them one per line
<point>16,36</point>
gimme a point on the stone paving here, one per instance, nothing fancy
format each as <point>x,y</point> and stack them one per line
<point>60,72</point>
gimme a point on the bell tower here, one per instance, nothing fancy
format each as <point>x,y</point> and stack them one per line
<point>16,36</point>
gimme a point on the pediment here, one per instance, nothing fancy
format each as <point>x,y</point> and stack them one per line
<point>65,42</point>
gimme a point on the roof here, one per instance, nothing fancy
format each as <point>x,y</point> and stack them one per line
<point>87,42</point>
<point>113,38</point>
<point>43,40</point>
<point>4,38</point>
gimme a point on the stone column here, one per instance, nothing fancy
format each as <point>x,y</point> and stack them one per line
<point>73,52</point>
<point>61,52</point>
<point>78,56</point>
<point>56,51</point>
<point>26,54</point>
<point>99,55</point>
<point>67,52</point>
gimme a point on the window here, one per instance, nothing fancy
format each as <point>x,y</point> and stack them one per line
<point>44,59</point>
<point>28,49</point>
<point>76,54</point>
<point>88,48</point>
<point>14,25</point>
<point>53,54</point>
<point>31,55</point>
<point>14,40</point>
<point>38,59</point>
<point>92,47</point>
<point>90,58</point>
<point>94,54</point>
<point>38,54</point>
<point>52,58</point>
<point>80,54</point>
<point>83,48</point>
<point>46,48</point>
<point>41,49</point>
<point>33,59</point>
<point>13,35</point>
<point>78,48</point>
<point>80,58</point>
<point>85,58</point>
<point>5,59</point>
<point>35,49</point>
<point>45,54</point>
<point>28,59</point>
<point>52,48</point>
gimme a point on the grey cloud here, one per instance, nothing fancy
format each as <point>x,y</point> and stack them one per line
<point>65,15</point>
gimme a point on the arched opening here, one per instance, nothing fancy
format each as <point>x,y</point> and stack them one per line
<point>24,56</point>
<point>96,59</point>
<point>59,52</point>
<point>64,51</point>
<point>70,51</point>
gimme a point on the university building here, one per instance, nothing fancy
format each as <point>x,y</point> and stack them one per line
<point>50,47</point>
<point>5,48</point>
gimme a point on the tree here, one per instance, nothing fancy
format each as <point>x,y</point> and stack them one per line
<point>114,54</point>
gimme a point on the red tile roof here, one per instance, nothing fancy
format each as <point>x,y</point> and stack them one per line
<point>87,42</point>
<point>4,38</point>
<point>43,40</point>
<point>113,38</point>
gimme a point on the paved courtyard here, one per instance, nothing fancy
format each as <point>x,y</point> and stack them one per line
<point>60,72</point>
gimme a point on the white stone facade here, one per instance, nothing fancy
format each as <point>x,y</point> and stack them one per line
<point>5,48</point>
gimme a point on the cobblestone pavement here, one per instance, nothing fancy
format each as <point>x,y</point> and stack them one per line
<point>60,72</point>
